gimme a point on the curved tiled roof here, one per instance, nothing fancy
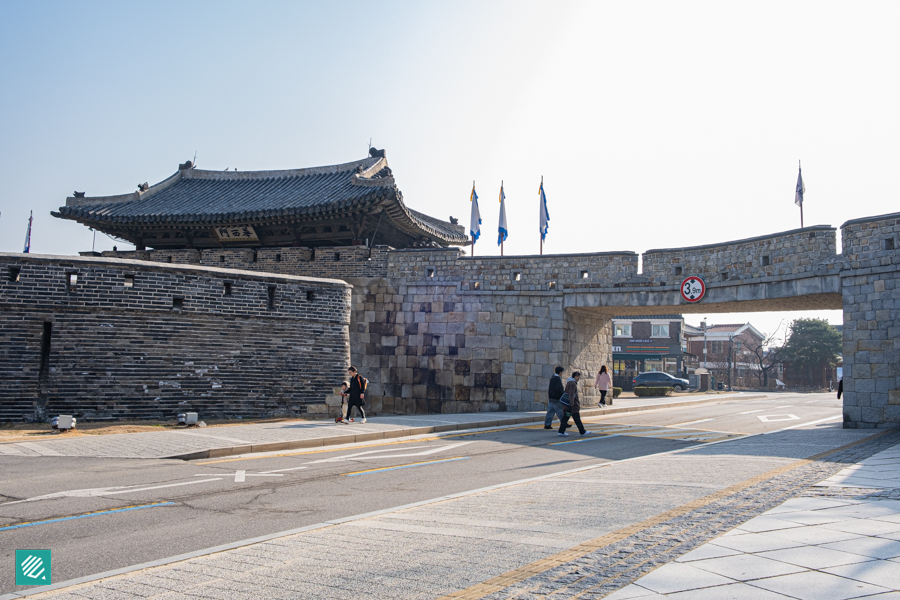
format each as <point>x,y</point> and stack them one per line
<point>195,197</point>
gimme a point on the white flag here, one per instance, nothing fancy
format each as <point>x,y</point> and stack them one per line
<point>475,221</point>
<point>801,189</point>
<point>545,216</point>
<point>502,233</point>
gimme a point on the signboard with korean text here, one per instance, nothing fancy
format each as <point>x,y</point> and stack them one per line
<point>236,233</point>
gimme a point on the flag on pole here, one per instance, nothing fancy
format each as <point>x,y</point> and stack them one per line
<point>545,216</point>
<point>801,189</point>
<point>28,234</point>
<point>502,232</point>
<point>475,221</point>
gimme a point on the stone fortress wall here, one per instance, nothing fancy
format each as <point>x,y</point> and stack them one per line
<point>870,284</point>
<point>111,339</point>
<point>436,331</point>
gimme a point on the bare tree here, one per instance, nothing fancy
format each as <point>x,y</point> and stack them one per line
<point>768,354</point>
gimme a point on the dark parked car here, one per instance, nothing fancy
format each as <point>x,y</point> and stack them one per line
<point>658,378</point>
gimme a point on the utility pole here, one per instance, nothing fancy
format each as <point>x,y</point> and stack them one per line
<point>705,365</point>
<point>730,359</point>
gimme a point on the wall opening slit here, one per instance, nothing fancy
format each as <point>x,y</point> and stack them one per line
<point>270,297</point>
<point>46,334</point>
<point>14,274</point>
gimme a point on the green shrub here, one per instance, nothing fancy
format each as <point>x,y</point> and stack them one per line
<point>653,391</point>
<point>617,392</point>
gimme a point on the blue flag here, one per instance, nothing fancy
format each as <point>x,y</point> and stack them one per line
<point>502,231</point>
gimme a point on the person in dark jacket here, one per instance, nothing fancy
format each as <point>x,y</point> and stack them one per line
<point>840,388</point>
<point>553,394</point>
<point>357,394</point>
<point>574,405</point>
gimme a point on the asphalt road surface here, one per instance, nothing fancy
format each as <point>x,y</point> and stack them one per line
<point>99,514</point>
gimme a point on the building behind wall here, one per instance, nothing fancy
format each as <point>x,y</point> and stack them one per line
<point>730,354</point>
<point>641,344</point>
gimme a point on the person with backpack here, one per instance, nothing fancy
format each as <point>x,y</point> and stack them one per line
<point>553,394</point>
<point>571,400</point>
<point>357,394</point>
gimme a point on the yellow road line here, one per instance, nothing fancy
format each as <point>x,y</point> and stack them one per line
<point>497,584</point>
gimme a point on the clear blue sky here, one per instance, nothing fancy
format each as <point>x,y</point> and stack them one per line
<point>654,124</point>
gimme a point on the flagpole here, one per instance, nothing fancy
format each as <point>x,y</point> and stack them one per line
<point>800,168</point>
<point>473,237</point>
<point>542,208</point>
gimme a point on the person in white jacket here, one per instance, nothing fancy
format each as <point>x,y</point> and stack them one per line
<point>603,382</point>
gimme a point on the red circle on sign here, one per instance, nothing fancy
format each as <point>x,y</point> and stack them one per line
<point>693,289</point>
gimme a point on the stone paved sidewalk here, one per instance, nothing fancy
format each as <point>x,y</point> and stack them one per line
<point>262,437</point>
<point>839,540</point>
<point>583,533</point>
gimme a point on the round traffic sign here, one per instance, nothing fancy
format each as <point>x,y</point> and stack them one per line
<point>693,289</point>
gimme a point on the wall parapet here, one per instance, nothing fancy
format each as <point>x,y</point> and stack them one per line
<point>527,273</point>
<point>106,283</point>
<point>776,255</point>
<point>872,241</point>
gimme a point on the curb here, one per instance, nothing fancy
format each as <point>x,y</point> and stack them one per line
<point>411,431</point>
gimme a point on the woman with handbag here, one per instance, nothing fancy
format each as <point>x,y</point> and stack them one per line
<point>572,404</point>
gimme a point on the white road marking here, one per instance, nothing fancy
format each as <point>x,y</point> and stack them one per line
<point>279,470</point>
<point>690,423</point>
<point>157,487</point>
<point>775,418</point>
<point>785,406</point>
<point>241,475</point>
<point>105,491</point>
<point>831,418</point>
<point>368,454</point>
<point>750,412</point>
<point>811,401</point>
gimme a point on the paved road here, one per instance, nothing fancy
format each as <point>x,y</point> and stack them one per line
<point>181,507</point>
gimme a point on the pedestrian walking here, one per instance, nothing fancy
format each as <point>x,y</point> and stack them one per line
<point>603,382</point>
<point>357,394</point>
<point>574,402</point>
<point>345,393</point>
<point>555,391</point>
<point>840,388</point>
